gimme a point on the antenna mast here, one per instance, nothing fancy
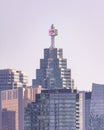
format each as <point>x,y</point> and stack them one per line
<point>53,33</point>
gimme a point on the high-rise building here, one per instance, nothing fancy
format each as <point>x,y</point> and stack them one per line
<point>57,107</point>
<point>31,113</point>
<point>10,78</point>
<point>0,113</point>
<point>96,121</point>
<point>12,109</point>
<point>53,72</point>
<point>54,109</point>
<point>13,103</point>
<point>30,95</point>
<point>84,109</point>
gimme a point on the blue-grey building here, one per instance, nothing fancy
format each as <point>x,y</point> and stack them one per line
<point>10,78</point>
<point>31,113</point>
<point>84,109</point>
<point>57,106</point>
<point>96,121</point>
<point>54,109</point>
<point>53,72</point>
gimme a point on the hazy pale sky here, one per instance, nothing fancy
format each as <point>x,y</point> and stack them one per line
<point>24,26</point>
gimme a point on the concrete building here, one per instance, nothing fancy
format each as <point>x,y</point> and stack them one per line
<point>84,109</point>
<point>54,109</point>
<point>96,121</point>
<point>53,72</point>
<point>10,78</point>
<point>12,109</point>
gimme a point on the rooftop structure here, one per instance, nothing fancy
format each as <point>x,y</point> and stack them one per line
<point>53,72</point>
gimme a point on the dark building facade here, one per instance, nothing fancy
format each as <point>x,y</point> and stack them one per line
<point>10,78</point>
<point>54,109</point>
<point>57,106</point>
<point>96,121</point>
<point>53,72</point>
<point>84,109</point>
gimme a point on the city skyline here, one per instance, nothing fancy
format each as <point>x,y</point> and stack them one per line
<point>24,29</point>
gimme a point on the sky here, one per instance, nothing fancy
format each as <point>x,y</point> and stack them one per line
<point>24,26</point>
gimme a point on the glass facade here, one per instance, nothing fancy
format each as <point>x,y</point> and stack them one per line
<point>53,110</point>
<point>84,109</point>
<point>97,108</point>
<point>55,107</point>
<point>53,72</point>
<point>30,117</point>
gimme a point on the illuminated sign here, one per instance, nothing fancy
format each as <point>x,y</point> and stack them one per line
<point>53,32</point>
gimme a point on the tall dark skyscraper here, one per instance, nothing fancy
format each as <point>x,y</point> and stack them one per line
<point>55,108</point>
<point>53,72</point>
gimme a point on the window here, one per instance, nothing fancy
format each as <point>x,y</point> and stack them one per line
<point>3,95</point>
<point>14,94</point>
<point>9,95</point>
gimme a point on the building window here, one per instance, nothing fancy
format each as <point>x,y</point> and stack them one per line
<point>9,95</point>
<point>3,95</point>
<point>15,94</point>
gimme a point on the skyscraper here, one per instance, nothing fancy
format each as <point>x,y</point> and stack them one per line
<point>30,95</point>
<point>0,113</point>
<point>54,109</point>
<point>12,109</point>
<point>97,108</point>
<point>10,78</point>
<point>84,109</point>
<point>12,103</point>
<point>53,72</point>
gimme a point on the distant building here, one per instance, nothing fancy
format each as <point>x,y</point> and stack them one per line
<point>13,102</point>
<point>97,108</point>
<point>0,113</point>
<point>57,106</point>
<point>31,113</point>
<point>84,109</point>
<point>12,109</point>
<point>54,109</point>
<point>30,95</point>
<point>53,72</point>
<point>10,78</point>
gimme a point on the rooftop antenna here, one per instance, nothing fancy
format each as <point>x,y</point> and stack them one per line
<point>53,33</point>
